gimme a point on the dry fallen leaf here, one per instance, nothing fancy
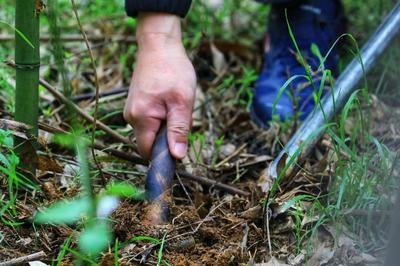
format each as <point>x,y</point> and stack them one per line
<point>265,181</point>
<point>321,256</point>
<point>219,61</point>
<point>16,128</point>
<point>253,213</point>
<point>47,163</point>
<point>227,149</point>
<point>297,260</point>
<point>272,262</point>
<point>37,263</point>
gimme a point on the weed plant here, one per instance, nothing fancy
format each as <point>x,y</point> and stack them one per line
<point>363,181</point>
<point>10,176</point>
<point>88,210</point>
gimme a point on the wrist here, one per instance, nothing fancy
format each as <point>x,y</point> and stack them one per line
<point>158,31</point>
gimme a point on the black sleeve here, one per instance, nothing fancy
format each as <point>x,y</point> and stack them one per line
<point>176,7</point>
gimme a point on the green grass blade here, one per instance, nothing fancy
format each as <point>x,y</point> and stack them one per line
<point>87,260</point>
<point>63,250</point>
<point>302,60</point>
<point>116,250</point>
<point>293,201</point>
<point>145,238</point>
<point>293,158</point>
<point>345,112</point>
<point>160,251</point>
<point>19,33</point>
<point>124,189</point>
<point>283,88</point>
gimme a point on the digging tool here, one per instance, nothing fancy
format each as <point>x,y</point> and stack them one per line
<point>311,130</point>
<point>159,180</point>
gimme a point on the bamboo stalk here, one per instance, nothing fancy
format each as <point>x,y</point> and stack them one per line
<point>27,63</point>
<point>27,59</point>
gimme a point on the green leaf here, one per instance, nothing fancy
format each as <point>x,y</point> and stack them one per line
<point>70,140</point>
<point>293,201</point>
<point>19,33</point>
<point>124,189</point>
<point>6,139</point>
<point>64,212</point>
<point>145,238</point>
<point>315,50</point>
<point>95,238</point>
<point>66,140</point>
<point>283,89</point>
<point>4,160</point>
<point>13,159</point>
<point>160,251</point>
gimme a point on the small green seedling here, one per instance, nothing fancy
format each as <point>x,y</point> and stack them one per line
<point>245,93</point>
<point>9,162</point>
<point>197,142</point>
<point>92,211</point>
<point>217,149</point>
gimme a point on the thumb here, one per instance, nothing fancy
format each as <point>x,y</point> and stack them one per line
<point>178,126</point>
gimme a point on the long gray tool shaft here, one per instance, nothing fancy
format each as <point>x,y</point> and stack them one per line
<point>344,87</point>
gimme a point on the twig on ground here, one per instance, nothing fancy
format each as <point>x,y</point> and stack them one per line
<point>267,217</point>
<point>24,259</point>
<point>77,109</point>
<point>213,183</point>
<point>231,156</point>
<point>184,189</point>
<point>208,215</point>
<point>17,128</point>
<point>138,160</point>
<point>84,115</point>
<point>75,38</point>
<point>117,153</point>
<point>91,95</point>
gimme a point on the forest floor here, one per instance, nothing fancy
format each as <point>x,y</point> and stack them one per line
<point>334,210</point>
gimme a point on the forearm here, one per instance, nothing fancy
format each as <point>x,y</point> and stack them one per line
<point>159,31</point>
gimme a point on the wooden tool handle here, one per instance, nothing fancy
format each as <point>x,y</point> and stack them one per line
<point>159,178</point>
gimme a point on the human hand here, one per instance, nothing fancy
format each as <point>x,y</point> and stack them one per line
<point>163,85</point>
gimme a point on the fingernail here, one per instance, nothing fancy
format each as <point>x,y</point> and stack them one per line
<point>180,149</point>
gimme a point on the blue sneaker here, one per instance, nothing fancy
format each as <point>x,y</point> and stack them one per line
<point>314,21</point>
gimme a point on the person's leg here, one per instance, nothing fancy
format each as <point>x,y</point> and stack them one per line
<point>312,21</point>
